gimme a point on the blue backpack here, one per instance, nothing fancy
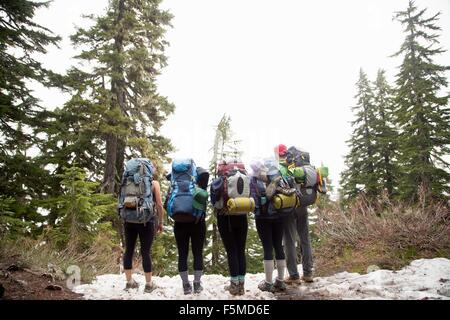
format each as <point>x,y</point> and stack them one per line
<point>181,206</point>
<point>135,195</point>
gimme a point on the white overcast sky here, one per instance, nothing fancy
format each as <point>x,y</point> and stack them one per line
<point>285,71</point>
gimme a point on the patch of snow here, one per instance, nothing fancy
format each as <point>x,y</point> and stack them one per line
<point>111,287</point>
<point>422,279</point>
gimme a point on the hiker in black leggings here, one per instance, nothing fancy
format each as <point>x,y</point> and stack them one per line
<point>270,231</point>
<point>269,225</point>
<point>233,231</point>
<point>195,233</point>
<point>146,233</point>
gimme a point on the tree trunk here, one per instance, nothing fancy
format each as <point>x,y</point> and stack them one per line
<point>118,87</point>
<point>115,145</point>
<point>109,181</point>
<point>389,178</point>
<point>120,159</point>
<point>215,246</point>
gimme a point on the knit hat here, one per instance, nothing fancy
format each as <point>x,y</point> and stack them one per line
<point>280,150</point>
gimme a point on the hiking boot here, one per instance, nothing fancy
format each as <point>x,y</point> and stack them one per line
<point>291,280</point>
<point>308,278</point>
<point>233,288</point>
<point>265,286</point>
<point>150,287</point>
<point>198,287</point>
<point>131,285</point>
<point>187,288</point>
<point>279,285</point>
<point>241,288</point>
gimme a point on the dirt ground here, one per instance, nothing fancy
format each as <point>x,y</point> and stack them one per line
<point>18,283</point>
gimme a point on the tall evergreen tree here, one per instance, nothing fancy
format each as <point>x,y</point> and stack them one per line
<point>22,177</point>
<point>422,110</point>
<point>221,141</point>
<point>114,92</point>
<point>385,136</point>
<point>225,146</point>
<point>20,39</point>
<point>360,173</point>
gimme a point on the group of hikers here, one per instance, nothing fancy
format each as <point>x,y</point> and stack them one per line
<point>277,191</point>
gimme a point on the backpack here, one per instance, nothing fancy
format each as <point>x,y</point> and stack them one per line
<point>307,181</point>
<point>135,195</point>
<point>186,202</point>
<point>230,192</point>
<point>280,190</point>
<point>282,194</point>
<point>307,178</point>
<point>297,157</point>
<point>258,193</point>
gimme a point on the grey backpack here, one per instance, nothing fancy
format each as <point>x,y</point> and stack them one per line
<point>136,196</point>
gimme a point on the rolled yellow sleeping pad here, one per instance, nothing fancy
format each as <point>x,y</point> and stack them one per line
<point>240,205</point>
<point>280,201</point>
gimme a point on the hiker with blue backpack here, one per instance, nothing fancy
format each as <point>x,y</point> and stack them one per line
<point>295,166</point>
<point>275,199</point>
<point>141,209</point>
<point>186,205</point>
<point>231,198</point>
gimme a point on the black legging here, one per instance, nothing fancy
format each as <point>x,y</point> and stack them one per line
<point>190,232</point>
<point>233,231</point>
<point>146,234</point>
<point>270,232</point>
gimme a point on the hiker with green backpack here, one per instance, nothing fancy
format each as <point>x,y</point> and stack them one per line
<point>186,205</point>
<point>140,207</point>
<point>230,196</point>
<point>269,222</point>
<point>308,181</point>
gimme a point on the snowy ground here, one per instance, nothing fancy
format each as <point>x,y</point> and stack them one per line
<point>110,287</point>
<point>423,279</point>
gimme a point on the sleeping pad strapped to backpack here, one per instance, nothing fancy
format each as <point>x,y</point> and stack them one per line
<point>230,192</point>
<point>280,189</point>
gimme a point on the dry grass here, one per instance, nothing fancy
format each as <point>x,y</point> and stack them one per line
<point>388,234</point>
<point>38,255</point>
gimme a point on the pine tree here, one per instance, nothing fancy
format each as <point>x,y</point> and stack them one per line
<point>80,210</point>
<point>22,177</point>
<point>115,96</point>
<point>360,173</point>
<point>385,136</point>
<point>10,225</point>
<point>20,39</point>
<point>214,246</point>
<point>225,146</point>
<point>422,112</point>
